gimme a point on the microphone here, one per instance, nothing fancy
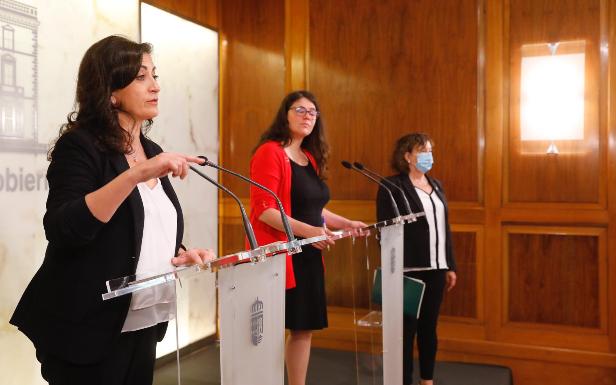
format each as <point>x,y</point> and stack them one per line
<point>252,240</point>
<point>348,165</point>
<point>283,215</point>
<point>388,182</point>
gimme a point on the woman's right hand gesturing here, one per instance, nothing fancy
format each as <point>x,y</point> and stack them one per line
<point>104,202</point>
<point>163,164</point>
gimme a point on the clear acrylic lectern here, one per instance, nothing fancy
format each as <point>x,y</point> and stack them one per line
<point>251,289</point>
<point>382,362</point>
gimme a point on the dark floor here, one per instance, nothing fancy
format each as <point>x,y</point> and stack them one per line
<point>331,367</point>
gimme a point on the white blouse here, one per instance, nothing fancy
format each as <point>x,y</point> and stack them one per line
<point>435,214</point>
<point>151,306</point>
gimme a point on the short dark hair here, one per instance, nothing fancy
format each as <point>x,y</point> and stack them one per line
<point>315,143</point>
<point>108,65</point>
<point>406,144</point>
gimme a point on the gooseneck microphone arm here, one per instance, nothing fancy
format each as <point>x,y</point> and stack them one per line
<point>348,165</point>
<point>252,240</point>
<point>283,214</point>
<point>388,182</point>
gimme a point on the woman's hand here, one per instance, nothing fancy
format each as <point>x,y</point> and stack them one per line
<point>317,231</point>
<point>355,228</point>
<point>451,280</point>
<point>163,164</point>
<point>193,257</point>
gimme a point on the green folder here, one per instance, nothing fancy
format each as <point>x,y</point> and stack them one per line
<point>413,293</point>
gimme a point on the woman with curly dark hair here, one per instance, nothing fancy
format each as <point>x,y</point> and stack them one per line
<point>291,159</point>
<point>111,212</point>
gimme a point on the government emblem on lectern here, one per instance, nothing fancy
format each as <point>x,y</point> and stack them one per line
<point>256,322</point>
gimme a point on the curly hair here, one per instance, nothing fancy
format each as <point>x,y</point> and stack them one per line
<point>406,144</point>
<point>108,65</point>
<point>315,143</point>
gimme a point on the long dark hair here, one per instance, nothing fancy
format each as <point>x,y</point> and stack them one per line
<point>108,65</point>
<point>315,143</point>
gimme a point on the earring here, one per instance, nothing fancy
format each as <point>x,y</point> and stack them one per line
<point>114,101</point>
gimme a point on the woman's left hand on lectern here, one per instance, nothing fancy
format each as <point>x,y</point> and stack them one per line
<point>356,226</point>
<point>193,256</point>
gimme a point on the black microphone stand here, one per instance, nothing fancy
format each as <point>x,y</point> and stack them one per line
<point>295,246</point>
<point>388,182</point>
<point>348,165</point>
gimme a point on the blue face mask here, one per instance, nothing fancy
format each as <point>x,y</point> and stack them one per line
<point>424,161</point>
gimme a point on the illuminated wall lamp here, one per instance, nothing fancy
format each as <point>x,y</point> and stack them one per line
<point>552,93</point>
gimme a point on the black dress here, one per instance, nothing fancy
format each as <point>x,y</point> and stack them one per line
<point>306,306</point>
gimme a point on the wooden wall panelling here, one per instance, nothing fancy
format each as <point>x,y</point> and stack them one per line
<point>204,12</point>
<point>381,73</point>
<point>611,160</point>
<point>361,210</point>
<point>466,345</point>
<point>496,35</point>
<point>577,174</point>
<point>343,334</point>
<point>517,351</point>
<point>555,215</point>
<point>392,68</point>
<point>251,87</point>
<point>555,281</point>
<point>465,301</point>
<point>222,74</point>
<point>553,278</point>
<point>297,44</point>
<point>361,67</point>
<point>605,23</point>
<point>481,99</point>
<point>462,312</point>
<point>349,272</point>
<point>253,79</point>
<point>232,237</point>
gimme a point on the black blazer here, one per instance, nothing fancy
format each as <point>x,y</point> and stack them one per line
<point>416,235</point>
<point>61,310</point>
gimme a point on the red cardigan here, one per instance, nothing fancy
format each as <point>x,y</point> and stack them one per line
<point>271,167</point>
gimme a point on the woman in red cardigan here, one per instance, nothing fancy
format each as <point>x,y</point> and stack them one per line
<point>291,159</point>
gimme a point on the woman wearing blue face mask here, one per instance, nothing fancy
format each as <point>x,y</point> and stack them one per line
<point>428,254</point>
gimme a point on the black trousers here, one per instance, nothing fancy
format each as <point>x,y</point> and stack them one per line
<point>131,362</point>
<point>424,327</point>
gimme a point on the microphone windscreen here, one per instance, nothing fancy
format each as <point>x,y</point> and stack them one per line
<point>346,164</point>
<point>358,165</point>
